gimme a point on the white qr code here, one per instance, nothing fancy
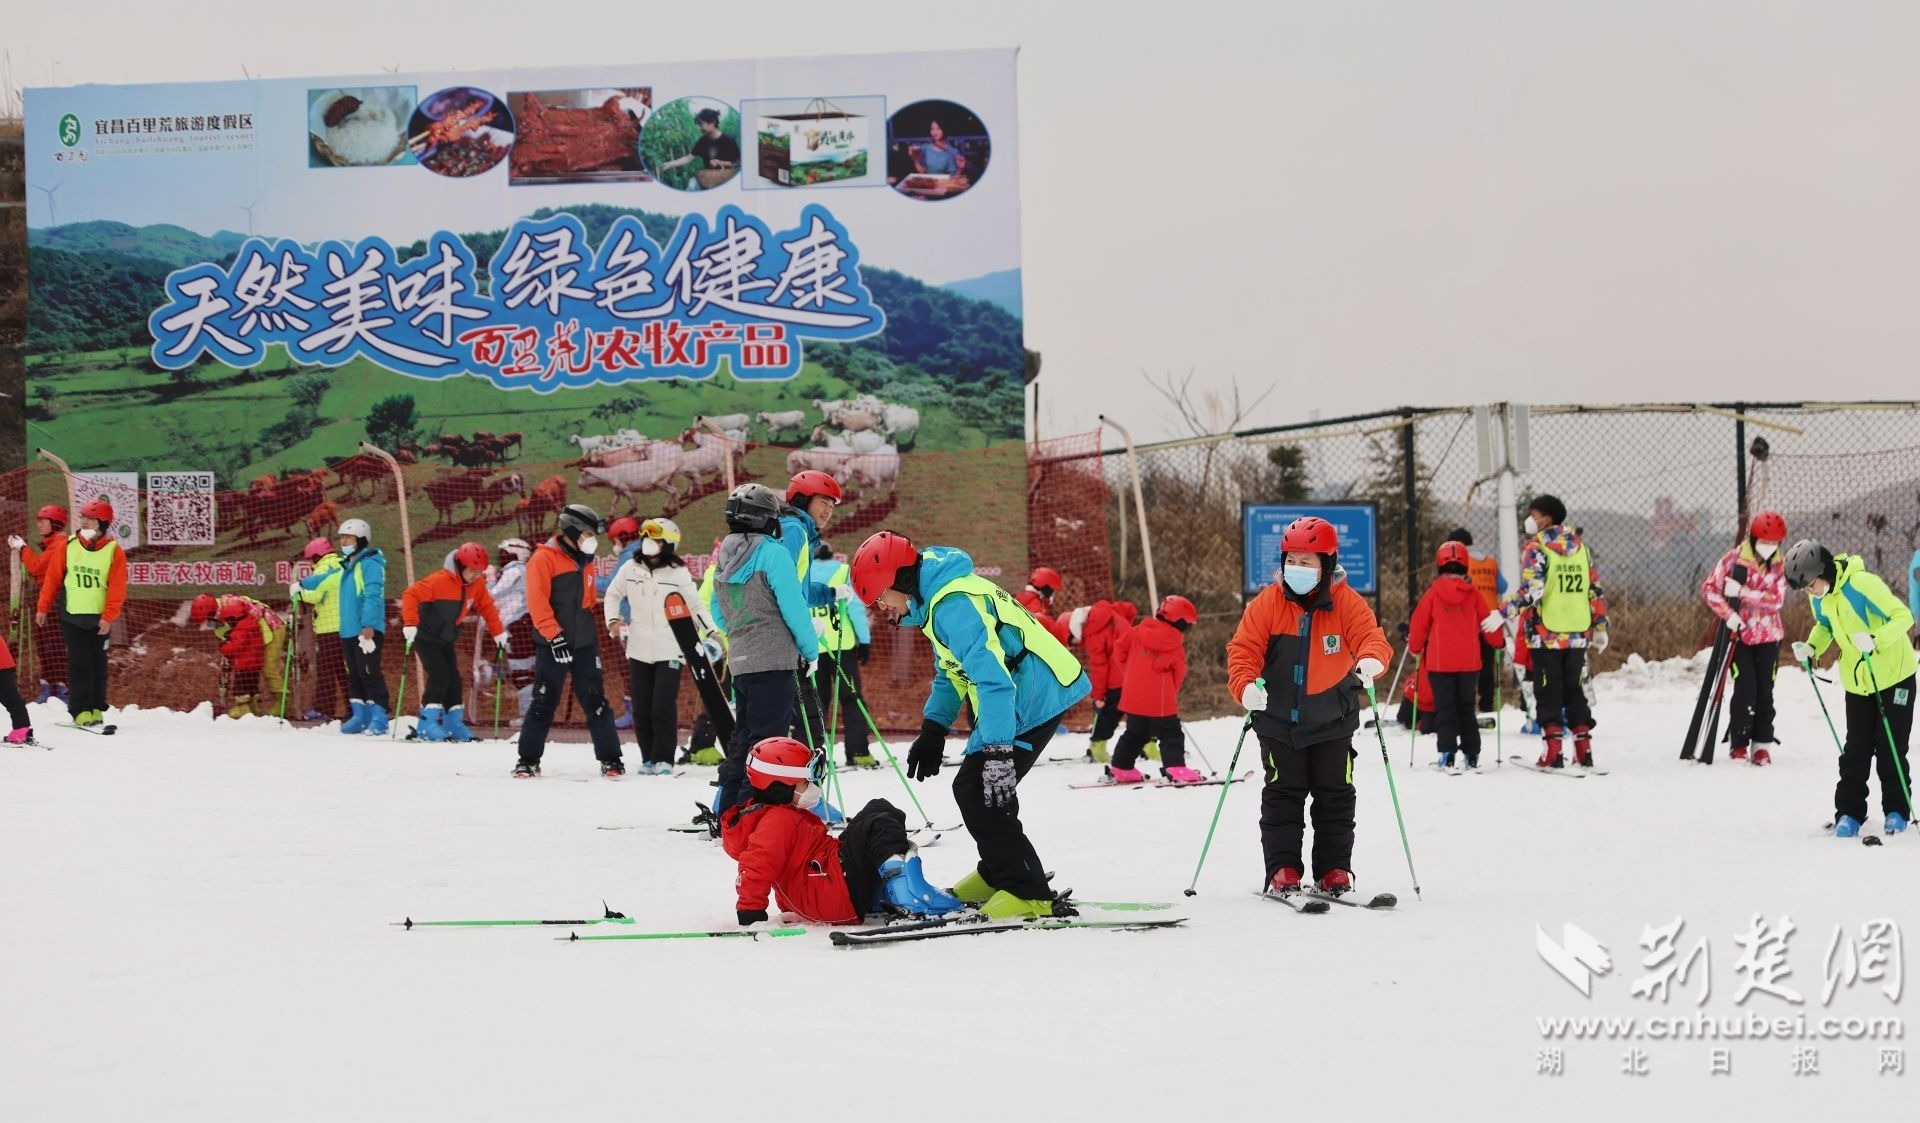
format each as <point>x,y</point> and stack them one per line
<point>180,508</point>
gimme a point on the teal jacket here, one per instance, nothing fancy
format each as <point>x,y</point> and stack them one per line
<point>1011,701</point>
<point>800,536</point>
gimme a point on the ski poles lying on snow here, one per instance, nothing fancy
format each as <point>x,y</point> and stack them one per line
<point>1374,701</point>
<point>715,934</point>
<point>1233,766</point>
<point>611,917</point>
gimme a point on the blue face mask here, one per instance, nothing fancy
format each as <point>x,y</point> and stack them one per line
<point>1300,578</point>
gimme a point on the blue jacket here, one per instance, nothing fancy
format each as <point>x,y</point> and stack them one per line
<point>800,536</point>
<point>1010,703</point>
<point>1913,585</point>
<point>600,584</point>
<point>768,558</point>
<point>363,592</point>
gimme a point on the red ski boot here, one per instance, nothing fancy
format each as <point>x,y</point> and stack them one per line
<point>1335,882</point>
<point>1550,748</point>
<point>1762,756</point>
<point>1582,747</point>
<point>1286,881</point>
<point>1739,752</point>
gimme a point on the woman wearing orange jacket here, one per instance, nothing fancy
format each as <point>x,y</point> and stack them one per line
<point>1308,636</point>
<point>51,522</point>
<point>431,612</point>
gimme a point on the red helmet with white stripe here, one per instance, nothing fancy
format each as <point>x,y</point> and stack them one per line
<point>780,760</point>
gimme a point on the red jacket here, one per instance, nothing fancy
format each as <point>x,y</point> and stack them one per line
<point>787,852</point>
<point>1155,671</point>
<point>6,655</point>
<point>1445,634</point>
<point>245,646</point>
<point>1103,629</point>
<point>1037,606</point>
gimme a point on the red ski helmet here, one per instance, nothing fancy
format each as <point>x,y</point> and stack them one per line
<point>53,513</point>
<point>471,555</point>
<point>233,608</point>
<point>811,483</point>
<point>97,509</point>
<point>878,562</point>
<point>1310,535</point>
<point>204,607</point>
<point>1177,609</point>
<point>624,529</point>
<point>1768,526</point>
<point>1450,553</point>
<point>317,549</point>
<point>780,760</point>
<point>1046,578</point>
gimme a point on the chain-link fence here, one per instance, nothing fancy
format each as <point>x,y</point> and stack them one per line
<point>1659,493</point>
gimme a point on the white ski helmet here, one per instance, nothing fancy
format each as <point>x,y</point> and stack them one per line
<point>517,549</point>
<point>356,527</point>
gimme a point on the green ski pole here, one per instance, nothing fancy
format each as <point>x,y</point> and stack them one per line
<point>400,700</point>
<point>1499,700</point>
<point>1893,748</point>
<point>286,670</point>
<point>1814,681</point>
<point>1220,805</point>
<point>892,760</point>
<point>1374,701</point>
<point>499,685</point>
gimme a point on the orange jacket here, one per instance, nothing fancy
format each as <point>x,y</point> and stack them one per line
<point>55,543</point>
<point>1306,652</point>
<point>439,603</point>
<point>54,566</point>
<point>560,596</point>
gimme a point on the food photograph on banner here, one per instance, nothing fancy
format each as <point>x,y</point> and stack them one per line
<point>578,136</point>
<point>598,293</point>
<point>814,142</point>
<point>936,149</point>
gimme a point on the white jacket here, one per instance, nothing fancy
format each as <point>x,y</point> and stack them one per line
<point>509,592</point>
<point>644,590</point>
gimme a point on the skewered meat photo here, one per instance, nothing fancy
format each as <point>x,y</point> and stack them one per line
<point>461,132</point>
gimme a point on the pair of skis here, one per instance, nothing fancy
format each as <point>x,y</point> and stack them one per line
<point>973,924</point>
<point>1574,772</point>
<point>1706,709</point>
<point>1313,902</point>
<point>1213,783</point>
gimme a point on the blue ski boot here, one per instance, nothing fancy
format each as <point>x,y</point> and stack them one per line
<point>357,721</point>
<point>908,891</point>
<point>455,724</point>
<point>1896,822</point>
<point>376,719</point>
<point>1446,761</point>
<point>625,721</point>
<point>1846,826</point>
<point>429,727</point>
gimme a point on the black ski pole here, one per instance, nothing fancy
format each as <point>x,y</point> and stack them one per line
<point>1220,804</point>
<point>1198,751</point>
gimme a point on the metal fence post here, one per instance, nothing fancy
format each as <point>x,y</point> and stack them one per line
<point>1410,519</point>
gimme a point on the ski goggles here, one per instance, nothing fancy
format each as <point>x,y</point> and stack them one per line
<point>660,530</point>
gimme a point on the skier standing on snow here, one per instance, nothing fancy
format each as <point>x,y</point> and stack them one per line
<point>1484,571</point>
<point>561,598</point>
<point>431,612</point>
<point>1451,631</point>
<point>1856,611</point>
<point>1156,671</point>
<point>625,534</point>
<point>89,579</point>
<point>1107,625</point>
<point>1309,636</point>
<point>363,626</point>
<point>329,671</point>
<point>759,603</point>
<point>1557,581</point>
<point>1016,677</point>
<point>507,585</point>
<point>51,523</point>
<point>638,593</point>
<point>253,640</point>
<point>1760,590</point>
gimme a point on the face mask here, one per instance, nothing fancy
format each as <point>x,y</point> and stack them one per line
<point>1300,578</point>
<point>650,547</point>
<point>1532,524</point>
<point>1766,549</point>
<point>807,800</point>
<point>89,534</point>
<point>588,543</point>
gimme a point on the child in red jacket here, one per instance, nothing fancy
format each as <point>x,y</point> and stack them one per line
<point>16,706</point>
<point>1150,695</point>
<point>1450,633</point>
<point>783,848</point>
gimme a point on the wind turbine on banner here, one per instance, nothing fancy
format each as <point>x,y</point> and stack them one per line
<point>53,220</point>
<point>248,207</point>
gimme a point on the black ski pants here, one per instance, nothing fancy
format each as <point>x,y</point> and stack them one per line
<point>1167,730</point>
<point>549,679</point>
<point>1454,717</point>
<point>1106,717</point>
<point>365,681</point>
<point>1867,747</point>
<point>1750,720</point>
<point>86,668</point>
<point>1325,772</point>
<point>1007,858</point>
<point>10,698</point>
<point>441,665</point>
<point>655,690</point>
<point>1557,687</point>
<point>877,833</point>
<point>762,708</point>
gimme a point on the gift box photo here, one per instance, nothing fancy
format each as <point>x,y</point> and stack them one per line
<point>820,145</point>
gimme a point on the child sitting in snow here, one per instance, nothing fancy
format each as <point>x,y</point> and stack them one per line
<point>783,847</point>
<point>1150,695</point>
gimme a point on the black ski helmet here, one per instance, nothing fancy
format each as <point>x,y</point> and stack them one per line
<point>1806,560</point>
<point>754,509</point>
<point>577,519</point>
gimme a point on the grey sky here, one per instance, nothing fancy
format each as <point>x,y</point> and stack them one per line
<point>1367,203</point>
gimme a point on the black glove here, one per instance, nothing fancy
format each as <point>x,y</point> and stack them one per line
<point>923,759</point>
<point>561,652</point>
<point>863,652</point>
<point>750,916</point>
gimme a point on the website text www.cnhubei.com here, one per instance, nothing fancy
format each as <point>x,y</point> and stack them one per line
<point>1702,1026</point>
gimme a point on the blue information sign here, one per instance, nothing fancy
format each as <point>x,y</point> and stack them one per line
<point>1263,524</point>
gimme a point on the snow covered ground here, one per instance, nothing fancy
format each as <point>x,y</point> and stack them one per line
<point>195,924</point>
